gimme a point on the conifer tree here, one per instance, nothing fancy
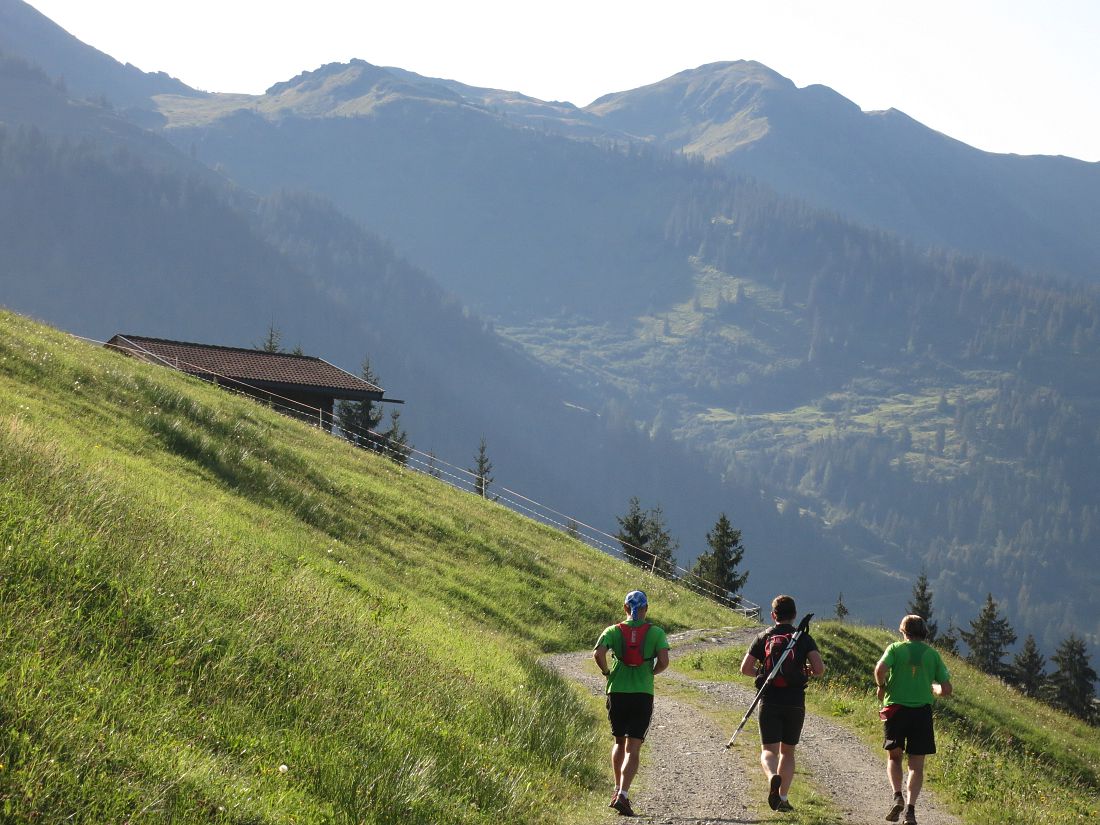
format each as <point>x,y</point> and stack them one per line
<point>273,341</point>
<point>1072,686</point>
<point>841,608</point>
<point>1027,670</point>
<point>921,605</point>
<point>395,441</point>
<point>661,544</point>
<point>633,534</point>
<point>483,470</point>
<point>359,420</point>
<point>719,564</point>
<point>948,642</point>
<point>989,638</point>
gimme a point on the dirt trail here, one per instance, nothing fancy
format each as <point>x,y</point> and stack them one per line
<point>689,777</point>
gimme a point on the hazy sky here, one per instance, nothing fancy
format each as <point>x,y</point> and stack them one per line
<point>1002,75</point>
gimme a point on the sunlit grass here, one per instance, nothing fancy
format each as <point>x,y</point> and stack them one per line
<point>211,613</point>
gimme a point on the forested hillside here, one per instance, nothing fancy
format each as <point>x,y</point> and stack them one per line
<point>919,408</point>
<point>864,406</point>
<point>99,244</point>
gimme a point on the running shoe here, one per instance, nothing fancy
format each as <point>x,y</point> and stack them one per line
<point>910,816</point>
<point>622,805</point>
<point>896,808</point>
<point>784,806</point>
<point>773,792</point>
<point>614,796</point>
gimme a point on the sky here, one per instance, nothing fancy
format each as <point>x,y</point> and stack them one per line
<point>1001,75</point>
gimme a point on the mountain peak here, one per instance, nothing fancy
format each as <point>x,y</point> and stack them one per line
<point>353,88</point>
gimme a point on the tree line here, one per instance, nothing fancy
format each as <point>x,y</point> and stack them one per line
<point>1070,686</point>
<point>647,543</point>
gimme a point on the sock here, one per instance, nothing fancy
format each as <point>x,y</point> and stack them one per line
<point>622,793</point>
<point>783,797</point>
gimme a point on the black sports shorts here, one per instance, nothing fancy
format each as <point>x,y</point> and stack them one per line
<point>629,714</point>
<point>910,728</point>
<point>781,723</point>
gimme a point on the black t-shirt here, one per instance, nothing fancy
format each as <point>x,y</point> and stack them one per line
<point>794,695</point>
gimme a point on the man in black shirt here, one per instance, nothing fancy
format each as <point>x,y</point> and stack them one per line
<point>783,703</point>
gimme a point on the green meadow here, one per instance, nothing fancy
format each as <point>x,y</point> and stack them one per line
<point>1001,757</point>
<point>213,613</point>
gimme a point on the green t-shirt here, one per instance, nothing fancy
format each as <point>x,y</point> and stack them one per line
<point>914,666</point>
<point>626,679</point>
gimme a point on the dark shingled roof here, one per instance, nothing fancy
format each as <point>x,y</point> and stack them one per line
<point>249,366</point>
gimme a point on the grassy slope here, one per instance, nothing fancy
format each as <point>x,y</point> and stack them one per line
<point>195,592</point>
<point>1001,757</point>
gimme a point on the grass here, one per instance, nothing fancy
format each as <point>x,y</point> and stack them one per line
<point>212,613</point>
<point>1001,756</point>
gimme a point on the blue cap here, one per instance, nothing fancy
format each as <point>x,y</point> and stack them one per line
<point>635,600</point>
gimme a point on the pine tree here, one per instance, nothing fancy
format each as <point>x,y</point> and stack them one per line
<point>273,340</point>
<point>433,469</point>
<point>949,642</point>
<point>634,535</point>
<point>921,605</point>
<point>359,420</point>
<point>841,609</point>
<point>1072,685</point>
<point>482,471</point>
<point>661,544</point>
<point>989,638</point>
<point>395,441</point>
<point>1027,669</point>
<point>719,564</point>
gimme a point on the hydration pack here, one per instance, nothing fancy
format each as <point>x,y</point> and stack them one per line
<point>790,672</point>
<point>633,642</point>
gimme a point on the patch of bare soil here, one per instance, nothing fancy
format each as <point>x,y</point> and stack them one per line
<point>688,776</point>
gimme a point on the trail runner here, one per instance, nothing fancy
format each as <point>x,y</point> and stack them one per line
<point>908,677</point>
<point>641,651</point>
<point>783,703</point>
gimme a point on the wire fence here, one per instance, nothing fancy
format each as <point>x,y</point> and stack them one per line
<point>460,478</point>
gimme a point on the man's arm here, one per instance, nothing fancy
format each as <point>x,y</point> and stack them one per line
<point>882,673</point>
<point>661,662</point>
<point>941,689</point>
<point>600,655</point>
<point>814,663</point>
<point>749,665</point>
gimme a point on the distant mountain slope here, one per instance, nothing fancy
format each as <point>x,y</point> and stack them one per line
<point>30,99</point>
<point>870,407</point>
<point>880,168</point>
<point>865,386</point>
<point>86,71</point>
<point>98,243</point>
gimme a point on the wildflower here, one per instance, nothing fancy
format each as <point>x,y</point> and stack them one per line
<point>283,769</point>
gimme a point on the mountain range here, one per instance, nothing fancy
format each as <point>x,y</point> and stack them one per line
<point>875,347</point>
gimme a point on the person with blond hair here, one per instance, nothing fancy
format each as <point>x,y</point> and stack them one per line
<point>908,678</point>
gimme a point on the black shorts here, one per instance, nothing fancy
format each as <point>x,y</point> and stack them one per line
<point>910,728</point>
<point>629,714</point>
<point>781,723</point>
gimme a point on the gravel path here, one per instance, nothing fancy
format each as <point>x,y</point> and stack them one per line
<point>687,776</point>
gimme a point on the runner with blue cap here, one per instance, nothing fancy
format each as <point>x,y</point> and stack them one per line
<point>640,649</point>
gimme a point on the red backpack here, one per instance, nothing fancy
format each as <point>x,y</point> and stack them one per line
<point>790,672</point>
<point>633,642</point>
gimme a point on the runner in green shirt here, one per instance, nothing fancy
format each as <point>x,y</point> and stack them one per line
<point>908,677</point>
<point>641,651</point>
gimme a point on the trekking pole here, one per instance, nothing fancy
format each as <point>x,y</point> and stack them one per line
<point>803,627</point>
